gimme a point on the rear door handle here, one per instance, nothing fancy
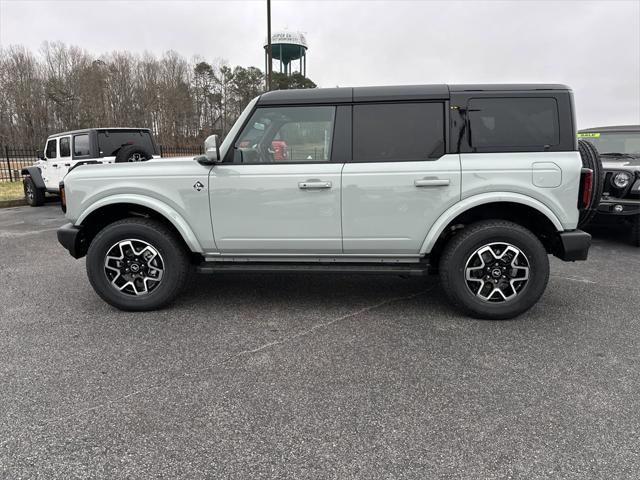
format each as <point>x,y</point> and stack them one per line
<point>313,185</point>
<point>432,182</point>
<point>54,165</point>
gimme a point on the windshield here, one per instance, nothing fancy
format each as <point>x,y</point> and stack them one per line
<point>614,142</point>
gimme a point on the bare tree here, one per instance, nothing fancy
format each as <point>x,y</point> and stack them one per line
<point>63,87</point>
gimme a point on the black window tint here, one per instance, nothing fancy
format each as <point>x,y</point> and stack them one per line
<point>81,146</point>
<point>396,132</point>
<point>513,122</point>
<point>65,147</point>
<point>110,141</point>
<point>51,148</point>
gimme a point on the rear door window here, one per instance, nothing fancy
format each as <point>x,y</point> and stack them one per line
<point>65,147</point>
<point>522,123</point>
<point>110,141</point>
<point>52,148</point>
<point>398,132</point>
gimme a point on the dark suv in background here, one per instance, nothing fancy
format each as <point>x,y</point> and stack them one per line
<point>619,148</point>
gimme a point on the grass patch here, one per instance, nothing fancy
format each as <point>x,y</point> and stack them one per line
<point>11,191</point>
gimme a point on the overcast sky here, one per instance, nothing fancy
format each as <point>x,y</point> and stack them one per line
<point>593,46</point>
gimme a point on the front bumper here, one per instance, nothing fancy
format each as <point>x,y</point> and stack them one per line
<point>572,246</point>
<point>620,208</point>
<point>72,238</point>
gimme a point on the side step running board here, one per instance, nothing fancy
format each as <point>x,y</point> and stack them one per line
<point>393,269</point>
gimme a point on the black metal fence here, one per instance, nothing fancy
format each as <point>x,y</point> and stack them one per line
<point>16,158</point>
<point>181,151</point>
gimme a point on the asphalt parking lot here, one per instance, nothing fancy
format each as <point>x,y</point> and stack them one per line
<point>296,376</point>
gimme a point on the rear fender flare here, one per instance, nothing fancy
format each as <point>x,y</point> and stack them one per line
<point>161,208</point>
<point>468,203</point>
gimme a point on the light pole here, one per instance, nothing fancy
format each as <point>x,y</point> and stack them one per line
<point>269,57</point>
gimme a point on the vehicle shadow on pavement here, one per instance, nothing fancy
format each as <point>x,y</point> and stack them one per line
<point>618,234</point>
<point>315,292</point>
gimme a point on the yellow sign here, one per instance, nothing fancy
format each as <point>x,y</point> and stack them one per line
<point>594,135</point>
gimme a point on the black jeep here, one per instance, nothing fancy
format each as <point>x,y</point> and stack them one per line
<point>619,149</point>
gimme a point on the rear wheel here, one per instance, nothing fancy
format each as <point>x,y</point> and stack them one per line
<point>137,264</point>
<point>33,195</point>
<point>494,270</point>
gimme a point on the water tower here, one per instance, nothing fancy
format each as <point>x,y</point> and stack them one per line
<point>286,47</point>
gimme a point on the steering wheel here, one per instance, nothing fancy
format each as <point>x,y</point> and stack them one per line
<point>266,154</point>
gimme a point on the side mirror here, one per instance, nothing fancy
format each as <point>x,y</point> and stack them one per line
<point>40,155</point>
<point>211,151</point>
<point>211,148</point>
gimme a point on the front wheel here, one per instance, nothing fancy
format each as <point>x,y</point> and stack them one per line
<point>32,194</point>
<point>137,264</point>
<point>494,270</point>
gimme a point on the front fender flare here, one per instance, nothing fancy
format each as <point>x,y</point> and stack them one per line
<point>153,204</point>
<point>34,173</point>
<point>468,203</point>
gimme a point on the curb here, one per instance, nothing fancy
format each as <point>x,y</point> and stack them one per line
<point>13,203</point>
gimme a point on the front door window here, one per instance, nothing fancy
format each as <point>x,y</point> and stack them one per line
<point>287,135</point>
<point>52,149</point>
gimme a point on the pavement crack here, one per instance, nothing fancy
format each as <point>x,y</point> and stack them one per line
<point>243,353</point>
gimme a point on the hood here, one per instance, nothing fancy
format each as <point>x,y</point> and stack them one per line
<point>627,162</point>
<point>169,159</point>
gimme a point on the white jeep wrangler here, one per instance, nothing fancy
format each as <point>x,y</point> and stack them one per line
<point>65,151</point>
<point>477,182</point>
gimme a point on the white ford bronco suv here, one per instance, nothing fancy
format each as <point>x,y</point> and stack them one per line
<point>65,151</point>
<point>477,182</point>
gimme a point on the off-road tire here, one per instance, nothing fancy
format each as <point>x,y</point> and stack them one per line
<point>174,255</point>
<point>32,194</point>
<point>132,153</point>
<point>461,247</point>
<point>591,159</point>
<point>635,231</point>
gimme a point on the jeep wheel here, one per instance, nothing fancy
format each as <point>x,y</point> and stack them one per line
<point>137,264</point>
<point>635,231</point>
<point>494,270</point>
<point>33,195</point>
<point>132,153</point>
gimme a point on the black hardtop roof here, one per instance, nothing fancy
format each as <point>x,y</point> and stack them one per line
<point>392,93</point>
<point>612,128</point>
<point>86,130</point>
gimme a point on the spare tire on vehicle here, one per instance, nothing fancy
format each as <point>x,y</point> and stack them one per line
<point>591,159</point>
<point>133,153</point>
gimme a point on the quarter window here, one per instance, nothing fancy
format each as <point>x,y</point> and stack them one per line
<point>65,147</point>
<point>111,141</point>
<point>513,122</point>
<point>398,132</point>
<point>52,146</point>
<point>287,134</point>
<point>81,146</point>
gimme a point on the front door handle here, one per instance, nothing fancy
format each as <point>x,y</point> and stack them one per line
<point>432,182</point>
<point>313,185</point>
<point>55,165</point>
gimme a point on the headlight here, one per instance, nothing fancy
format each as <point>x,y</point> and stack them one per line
<point>621,179</point>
